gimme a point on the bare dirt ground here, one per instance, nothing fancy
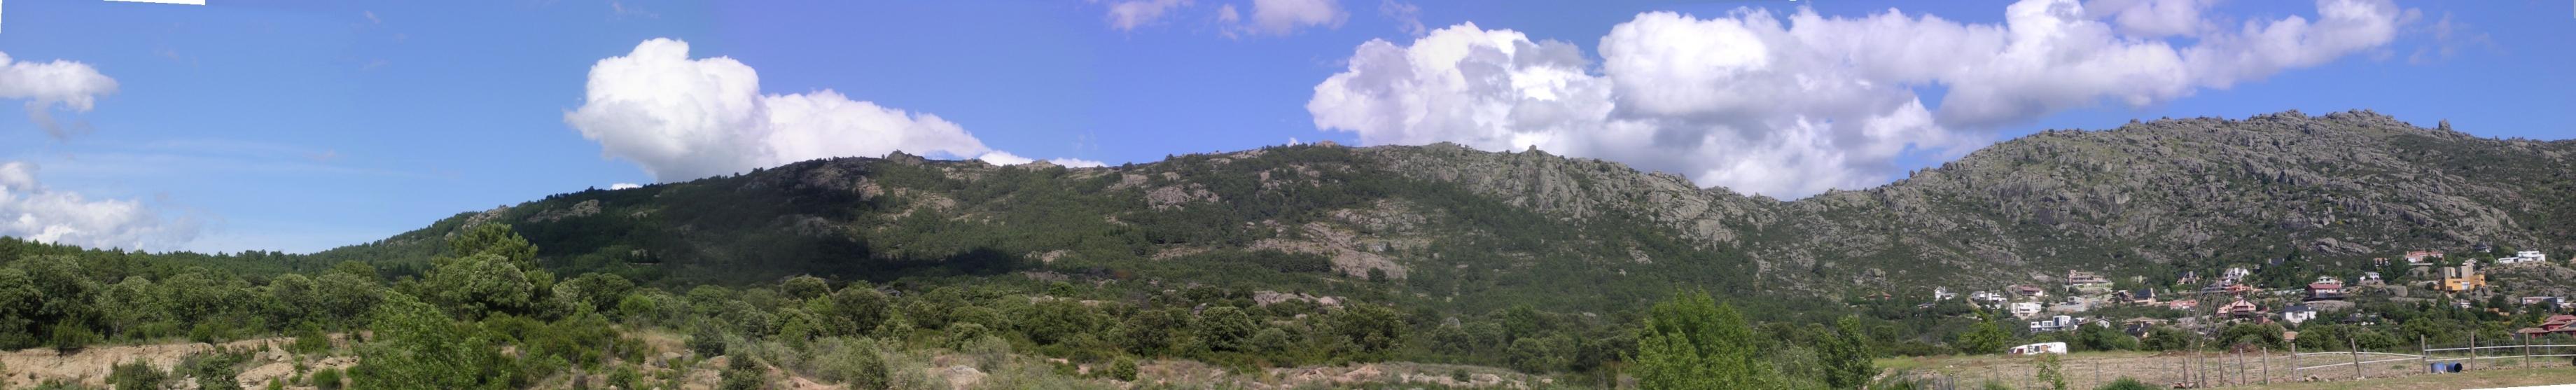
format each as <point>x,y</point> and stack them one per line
<point>89,366</point>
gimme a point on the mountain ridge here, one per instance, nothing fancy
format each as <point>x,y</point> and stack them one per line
<point>1449,223</point>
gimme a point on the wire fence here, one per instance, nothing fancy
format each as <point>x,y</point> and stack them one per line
<point>2247,365</point>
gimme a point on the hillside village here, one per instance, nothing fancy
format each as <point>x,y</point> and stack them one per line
<point>2205,304</point>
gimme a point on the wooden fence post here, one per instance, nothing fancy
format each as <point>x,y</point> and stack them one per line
<point>2267,364</point>
<point>2356,357</point>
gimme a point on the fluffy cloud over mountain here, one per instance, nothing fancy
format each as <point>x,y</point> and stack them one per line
<point>47,86</point>
<point>680,118</point>
<point>1794,105</point>
<point>30,211</point>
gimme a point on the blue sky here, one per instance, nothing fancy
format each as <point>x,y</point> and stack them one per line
<point>302,126</point>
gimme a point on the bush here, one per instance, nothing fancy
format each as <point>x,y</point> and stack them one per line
<point>855,362</point>
<point>2126,383</point>
<point>214,370</point>
<point>139,375</point>
<point>707,341</point>
<point>70,336</point>
<point>1124,369</point>
<point>741,373</point>
<point>310,340</point>
<point>327,379</point>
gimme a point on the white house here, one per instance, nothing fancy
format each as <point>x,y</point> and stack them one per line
<point>2235,274</point>
<point>2026,309</point>
<point>2058,323</point>
<point>1943,294</point>
<point>1987,297</point>
<point>2298,313</point>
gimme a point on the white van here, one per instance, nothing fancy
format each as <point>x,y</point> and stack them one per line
<point>2040,348</point>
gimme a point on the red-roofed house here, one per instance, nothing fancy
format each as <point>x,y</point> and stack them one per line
<point>2555,324</point>
<point>2240,309</point>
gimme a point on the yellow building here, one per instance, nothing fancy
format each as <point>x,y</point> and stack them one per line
<point>2462,278</point>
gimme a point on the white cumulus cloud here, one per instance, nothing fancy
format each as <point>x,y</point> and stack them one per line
<point>1795,105</point>
<point>681,118</point>
<point>47,86</point>
<point>30,211</point>
<point>624,186</point>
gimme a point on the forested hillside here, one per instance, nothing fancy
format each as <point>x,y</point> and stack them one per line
<point>1248,265</point>
<point>1474,231</point>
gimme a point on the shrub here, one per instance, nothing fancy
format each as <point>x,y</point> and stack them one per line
<point>1124,369</point>
<point>327,379</point>
<point>2126,383</point>
<point>741,373</point>
<point>310,340</point>
<point>70,336</point>
<point>856,363</point>
<point>214,370</point>
<point>139,375</point>
<point>707,341</point>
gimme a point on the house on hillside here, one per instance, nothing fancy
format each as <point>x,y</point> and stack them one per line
<point>2143,296</point>
<point>2026,309</point>
<point>2422,257</point>
<point>2370,279</point>
<point>1987,297</point>
<point>2055,324</point>
<point>2524,257</point>
<point>2240,309</point>
<point>2183,305</point>
<point>2081,279</point>
<point>2557,324</point>
<point>2140,325</point>
<point>2298,314</point>
<point>2551,301</point>
<point>2326,288</point>
<point>2027,291</point>
<point>2462,278</point>
<point>1943,294</point>
<point>2235,274</point>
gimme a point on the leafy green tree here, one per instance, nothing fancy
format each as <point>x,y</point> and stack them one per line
<point>20,300</point>
<point>1226,328</point>
<point>417,347</point>
<point>1848,356</point>
<point>1149,332</point>
<point>497,240</point>
<point>2051,372</point>
<point>2163,338</point>
<point>805,287</point>
<point>127,305</point>
<point>1983,338</point>
<point>1692,342</point>
<point>596,291</point>
<point>348,295</point>
<point>857,309</point>
<point>1374,328</point>
<point>1055,321</point>
<point>480,284</point>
